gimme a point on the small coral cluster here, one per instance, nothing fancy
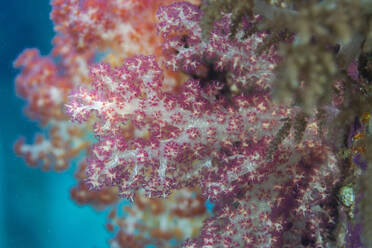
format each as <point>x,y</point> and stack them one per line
<point>160,222</point>
<point>181,98</point>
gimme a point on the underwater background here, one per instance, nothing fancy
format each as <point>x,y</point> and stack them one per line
<point>35,207</point>
<point>324,183</point>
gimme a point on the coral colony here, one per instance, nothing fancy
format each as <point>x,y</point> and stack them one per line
<point>260,107</point>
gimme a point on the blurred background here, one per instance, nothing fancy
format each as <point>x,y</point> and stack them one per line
<point>35,206</point>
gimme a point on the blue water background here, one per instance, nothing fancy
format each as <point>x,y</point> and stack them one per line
<point>35,207</point>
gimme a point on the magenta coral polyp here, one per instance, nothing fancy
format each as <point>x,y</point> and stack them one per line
<point>170,110</point>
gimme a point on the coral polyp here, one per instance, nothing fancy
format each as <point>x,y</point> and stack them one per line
<point>261,107</point>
